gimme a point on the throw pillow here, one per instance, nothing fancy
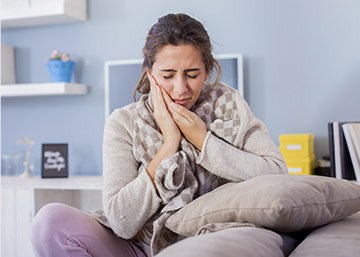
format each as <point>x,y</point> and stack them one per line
<point>284,203</point>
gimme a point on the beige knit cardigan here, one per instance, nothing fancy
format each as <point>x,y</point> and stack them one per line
<point>131,202</point>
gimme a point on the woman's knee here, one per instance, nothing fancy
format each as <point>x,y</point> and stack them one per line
<point>48,222</point>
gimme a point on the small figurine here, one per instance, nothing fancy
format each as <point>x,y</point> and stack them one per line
<point>27,166</point>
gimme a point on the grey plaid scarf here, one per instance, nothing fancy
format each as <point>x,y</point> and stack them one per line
<point>179,179</point>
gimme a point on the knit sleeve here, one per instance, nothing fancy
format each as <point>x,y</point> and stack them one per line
<point>254,153</point>
<point>129,196</point>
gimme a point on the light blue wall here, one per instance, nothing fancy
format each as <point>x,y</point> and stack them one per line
<point>301,64</point>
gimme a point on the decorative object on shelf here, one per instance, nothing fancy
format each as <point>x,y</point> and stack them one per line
<point>11,163</point>
<point>60,67</point>
<point>54,160</point>
<point>29,143</point>
<point>323,166</point>
<point>7,64</point>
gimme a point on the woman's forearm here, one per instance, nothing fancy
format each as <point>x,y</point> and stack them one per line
<point>235,164</point>
<point>165,151</point>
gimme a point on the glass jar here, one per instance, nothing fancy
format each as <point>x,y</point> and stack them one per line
<point>12,164</point>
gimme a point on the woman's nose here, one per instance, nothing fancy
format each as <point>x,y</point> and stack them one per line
<point>180,85</point>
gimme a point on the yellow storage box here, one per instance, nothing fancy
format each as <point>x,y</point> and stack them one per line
<point>297,145</point>
<point>301,166</point>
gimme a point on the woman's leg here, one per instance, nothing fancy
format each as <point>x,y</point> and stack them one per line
<point>60,230</point>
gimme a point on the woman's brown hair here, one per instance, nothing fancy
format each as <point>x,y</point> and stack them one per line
<point>176,29</point>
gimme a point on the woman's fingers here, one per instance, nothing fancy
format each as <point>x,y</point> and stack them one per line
<point>191,126</point>
<point>180,113</point>
<point>155,92</point>
<point>151,77</point>
<point>166,97</point>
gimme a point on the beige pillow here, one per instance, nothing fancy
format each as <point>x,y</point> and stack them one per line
<point>284,203</point>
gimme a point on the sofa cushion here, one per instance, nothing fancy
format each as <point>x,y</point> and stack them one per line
<point>339,238</point>
<point>284,203</point>
<point>243,241</point>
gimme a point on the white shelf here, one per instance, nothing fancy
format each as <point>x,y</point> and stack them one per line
<point>41,12</point>
<point>70,183</point>
<point>43,89</point>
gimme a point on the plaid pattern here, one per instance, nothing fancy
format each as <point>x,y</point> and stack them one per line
<point>179,179</point>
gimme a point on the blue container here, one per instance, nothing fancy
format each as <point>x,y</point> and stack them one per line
<point>60,71</point>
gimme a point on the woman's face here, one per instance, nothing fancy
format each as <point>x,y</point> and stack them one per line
<point>181,72</point>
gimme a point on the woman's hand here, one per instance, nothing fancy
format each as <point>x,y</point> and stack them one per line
<point>191,126</point>
<point>167,125</point>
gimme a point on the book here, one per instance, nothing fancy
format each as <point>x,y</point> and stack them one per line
<point>337,150</point>
<point>352,136</point>
<point>340,160</point>
<point>347,169</point>
<point>331,149</point>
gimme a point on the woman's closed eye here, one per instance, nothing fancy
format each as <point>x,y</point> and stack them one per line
<point>168,76</point>
<point>192,76</point>
<point>188,74</point>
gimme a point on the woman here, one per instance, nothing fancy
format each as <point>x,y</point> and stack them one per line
<point>181,139</point>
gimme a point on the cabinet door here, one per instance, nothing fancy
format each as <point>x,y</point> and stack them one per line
<point>23,217</point>
<point>16,206</point>
<point>8,223</point>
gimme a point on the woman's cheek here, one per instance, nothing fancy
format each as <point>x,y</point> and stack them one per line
<point>167,87</point>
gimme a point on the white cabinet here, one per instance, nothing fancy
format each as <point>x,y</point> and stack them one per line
<point>26,13</point>
<point>21,199</point>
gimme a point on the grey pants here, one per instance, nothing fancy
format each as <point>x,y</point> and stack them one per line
<point>59,230</point>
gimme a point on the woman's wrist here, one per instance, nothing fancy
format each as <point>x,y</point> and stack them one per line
<point>199,140</point>
<point>169,148</point>
<point>165,151</point>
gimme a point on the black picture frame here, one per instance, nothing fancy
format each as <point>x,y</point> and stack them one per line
<point>54,161</point>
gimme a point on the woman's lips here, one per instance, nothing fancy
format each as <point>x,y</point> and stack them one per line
<point>182,101</point>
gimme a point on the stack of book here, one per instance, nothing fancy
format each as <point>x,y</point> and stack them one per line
<point>344,149</point>
<point>298,152</point>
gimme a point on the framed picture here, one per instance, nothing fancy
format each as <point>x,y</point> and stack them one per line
<point>54,160</point>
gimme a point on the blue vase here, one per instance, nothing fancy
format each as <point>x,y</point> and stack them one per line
<point>60,71</point>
